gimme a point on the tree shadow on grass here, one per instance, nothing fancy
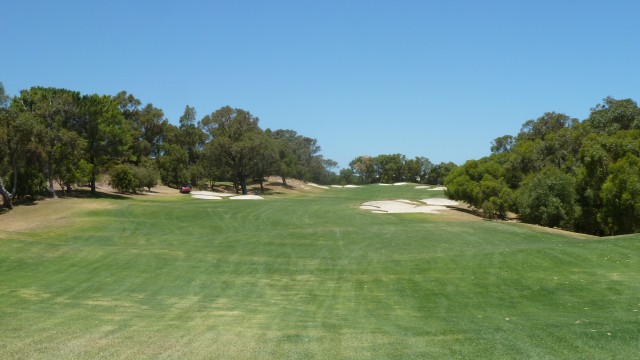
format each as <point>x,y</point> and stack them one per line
<point>86,194</point>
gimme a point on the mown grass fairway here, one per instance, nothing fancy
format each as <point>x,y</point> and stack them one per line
<point>312,276</point>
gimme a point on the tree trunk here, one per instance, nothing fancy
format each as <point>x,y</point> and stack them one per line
<point>6,197</point>
<point>92,181</point>
<point>243,185</point>
<point>14,165</point>
<point>262,184</point>
<point>50,190</point>
<point>284,181</point>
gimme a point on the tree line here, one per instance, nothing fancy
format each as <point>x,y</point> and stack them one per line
<point>391,168</point>
<point>52,136</point>
<point>559,171</point>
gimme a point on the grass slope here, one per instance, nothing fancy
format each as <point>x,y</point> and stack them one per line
<point>312,276</point>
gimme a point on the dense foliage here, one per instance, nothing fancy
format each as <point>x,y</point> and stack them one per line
<point>394,168</point>
<point>50,135</point>
<point>562,172</point>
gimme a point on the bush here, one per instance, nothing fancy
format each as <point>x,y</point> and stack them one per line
<point>548,198</point>
<point>123,179</point>
<point>621,197</point>
<point>146,177</point>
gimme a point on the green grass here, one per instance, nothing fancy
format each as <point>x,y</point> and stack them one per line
<point>312,276</point>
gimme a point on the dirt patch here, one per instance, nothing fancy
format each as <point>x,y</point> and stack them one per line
<point>49,213</point>
<point>549,230</point>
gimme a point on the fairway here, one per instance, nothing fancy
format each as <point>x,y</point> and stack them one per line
<point>309,275</point>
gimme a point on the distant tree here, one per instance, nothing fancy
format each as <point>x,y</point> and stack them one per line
<point>266,158</point>
<point>417,169</point>
<point>101,124</point>
<point>298,154</point>
<point>53,112</point>
<point>321,170</point>
<point>192,139</point>
<point>439,172</point>
<point>502,144</point>
<point>390,168</point>
<point>233,132</point>
<point>347,176</point>
<point>364,168</point>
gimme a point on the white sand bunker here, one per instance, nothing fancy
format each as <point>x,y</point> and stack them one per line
<point>318,186</point>
<point>440,201</point>
<point>400,207</point>
<point>206,197</point>
<point>247,197</point>
<point>352,186</point>
<point>441,188</point>
<point>211,193</point>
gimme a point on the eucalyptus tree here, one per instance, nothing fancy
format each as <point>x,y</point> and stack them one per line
<point>4,135</point>
<point>298,154</point>
<point>439,172</point>
<point>102,125</point>
<point>192,138</point>
<point>614,115</point>
<point>54,111</point>
<point>417,169</point>
<point>234,133</point>
<point>364,168</point>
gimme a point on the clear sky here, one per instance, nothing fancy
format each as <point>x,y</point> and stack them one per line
<point>432,78</point>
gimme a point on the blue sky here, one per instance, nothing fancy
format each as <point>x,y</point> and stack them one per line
<point>432,78</point>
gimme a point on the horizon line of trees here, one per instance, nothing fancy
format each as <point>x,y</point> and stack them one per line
<point>53,135</point>
<point>561,172</point>
<point>392,168</point>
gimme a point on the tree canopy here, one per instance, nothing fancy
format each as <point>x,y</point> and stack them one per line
<point>52,135</point>
<point>560,172</point>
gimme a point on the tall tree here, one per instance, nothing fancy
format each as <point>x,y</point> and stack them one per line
<point>364,168</point>
<point>233,132</point>
<point>298,154</point>
<point>54,110</point>
<point>4,119</point>
<point>102,125</point>
<point>192,140</point>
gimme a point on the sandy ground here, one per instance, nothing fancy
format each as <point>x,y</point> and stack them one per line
<point>427,206</point>
<point>440,201</point>
<point>247,197</point>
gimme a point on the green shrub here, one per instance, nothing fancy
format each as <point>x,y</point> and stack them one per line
<point>123,179</point>
<point>548,198</point>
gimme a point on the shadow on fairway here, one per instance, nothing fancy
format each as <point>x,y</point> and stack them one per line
<point>86,194</point>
